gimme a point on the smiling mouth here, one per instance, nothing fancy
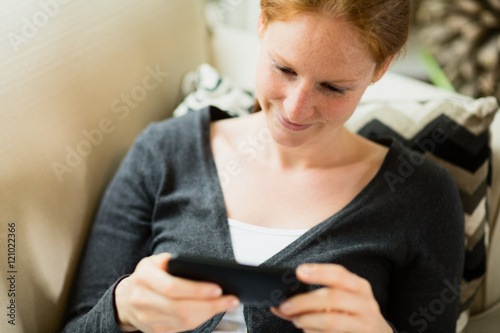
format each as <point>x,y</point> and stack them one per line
<point>291,126</point>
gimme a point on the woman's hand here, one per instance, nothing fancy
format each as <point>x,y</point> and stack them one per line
<point>346,304</point>
<point>151,300</point>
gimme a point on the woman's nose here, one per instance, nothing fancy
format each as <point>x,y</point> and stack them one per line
<point>298,103</point>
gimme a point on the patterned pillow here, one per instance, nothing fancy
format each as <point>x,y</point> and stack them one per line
<point>453,132</point>
<point>464,37</point>
<point>207,87</point>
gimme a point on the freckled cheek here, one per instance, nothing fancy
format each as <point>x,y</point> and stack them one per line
<point>268,86</point>
<point>339,109</point>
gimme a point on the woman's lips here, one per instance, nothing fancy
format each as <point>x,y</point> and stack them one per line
<point>292,126</point>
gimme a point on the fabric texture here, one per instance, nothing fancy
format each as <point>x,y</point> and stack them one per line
<point>453,132</point>
<point>79,81</point>
<point>166,197</point>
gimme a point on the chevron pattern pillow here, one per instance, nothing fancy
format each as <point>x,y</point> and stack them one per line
<point>452,132</point>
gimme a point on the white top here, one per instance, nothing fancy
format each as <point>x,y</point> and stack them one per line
<point>252,245</point>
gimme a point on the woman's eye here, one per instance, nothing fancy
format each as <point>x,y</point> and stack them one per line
<point>335,89</point>
<point>284,70</point>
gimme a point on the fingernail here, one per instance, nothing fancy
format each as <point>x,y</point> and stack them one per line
<point>233,304</point>
<point>215,292</point>
<point>305,270</point>
<point>285,307</point>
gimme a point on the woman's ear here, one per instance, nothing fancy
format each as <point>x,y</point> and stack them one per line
<point>381,71</point>
<point>261,25</point>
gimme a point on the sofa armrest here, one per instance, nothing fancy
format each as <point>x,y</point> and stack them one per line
<point>80,80</point>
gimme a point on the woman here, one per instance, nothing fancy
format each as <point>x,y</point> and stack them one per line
<point>314,193</point>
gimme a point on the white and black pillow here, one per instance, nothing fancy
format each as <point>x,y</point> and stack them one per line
<point>206,87</point>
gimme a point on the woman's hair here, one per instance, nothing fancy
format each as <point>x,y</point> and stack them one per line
<point>382,24</point>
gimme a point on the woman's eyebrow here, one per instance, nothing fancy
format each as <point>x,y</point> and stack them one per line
<point>275,56</point>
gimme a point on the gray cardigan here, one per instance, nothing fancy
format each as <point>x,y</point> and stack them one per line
<point>403,232</point>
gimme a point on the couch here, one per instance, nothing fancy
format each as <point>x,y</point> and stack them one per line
<point>79,81</point>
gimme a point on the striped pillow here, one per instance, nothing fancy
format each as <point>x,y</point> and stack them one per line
<point>452,132</point>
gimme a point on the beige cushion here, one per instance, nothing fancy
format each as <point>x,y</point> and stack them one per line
<point>495,190</point>
<point>68,68</point>
<point>492,294</point>
<point>235,53</point>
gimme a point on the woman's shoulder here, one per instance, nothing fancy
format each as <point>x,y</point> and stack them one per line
<point>410,169</point>
<point>176,132</point>
<point>419,194</point>
<point>183,125</point>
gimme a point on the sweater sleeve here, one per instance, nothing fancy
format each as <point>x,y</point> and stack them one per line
<point>119,238</point>
<point>425,294</point>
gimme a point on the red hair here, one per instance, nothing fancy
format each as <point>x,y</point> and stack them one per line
<point>383,25</point>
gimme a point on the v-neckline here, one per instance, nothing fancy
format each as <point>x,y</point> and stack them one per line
<point>209,115</point>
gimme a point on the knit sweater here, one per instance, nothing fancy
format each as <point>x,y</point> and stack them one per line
<point>403,232</point>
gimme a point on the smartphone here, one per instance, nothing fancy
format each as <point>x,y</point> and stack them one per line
<point>259,286</point>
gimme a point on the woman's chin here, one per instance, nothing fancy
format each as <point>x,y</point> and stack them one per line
<point>287,137</point>
<point>291,140</point>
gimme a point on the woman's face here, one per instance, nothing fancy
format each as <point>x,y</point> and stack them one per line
<point>311,74</point>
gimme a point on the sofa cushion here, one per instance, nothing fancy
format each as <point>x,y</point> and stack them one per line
<point>453,132</point>
<point>80,80</point>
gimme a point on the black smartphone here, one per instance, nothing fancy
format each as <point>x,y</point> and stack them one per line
<point>259,286</point>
